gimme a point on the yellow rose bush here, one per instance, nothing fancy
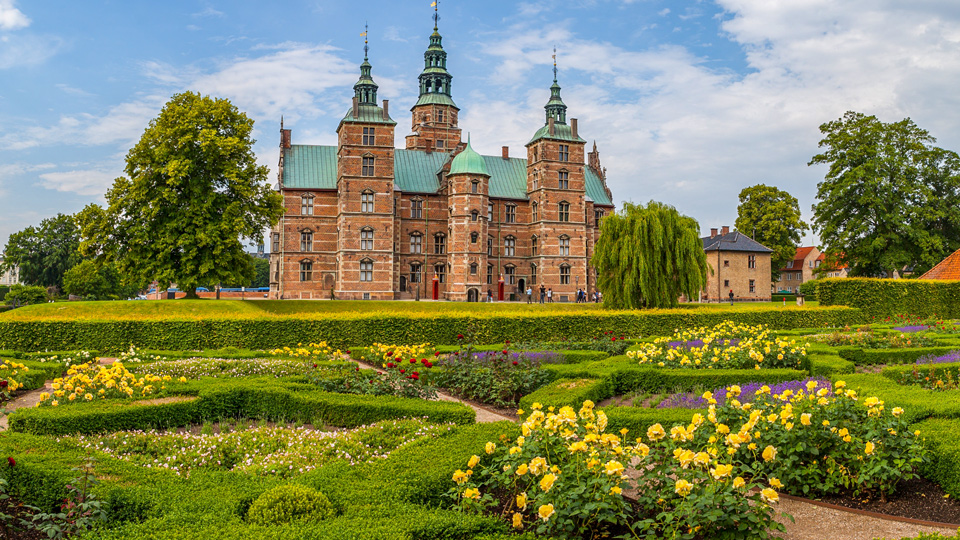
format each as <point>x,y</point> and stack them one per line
<point>818,441</point>
<point>86,382</point>
<point>565,476</point>
<point>311,351</point>
<point>9,371</point>
<point>727,345</point>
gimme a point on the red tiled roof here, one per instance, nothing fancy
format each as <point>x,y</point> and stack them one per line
<point>948,268</point>
<point>798,259</point>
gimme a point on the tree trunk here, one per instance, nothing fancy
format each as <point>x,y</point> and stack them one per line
<point>192,294</point>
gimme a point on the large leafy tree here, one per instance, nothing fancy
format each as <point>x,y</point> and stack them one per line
<point>890,198</point>
<point>193,191</point>
<point>772,217</point>
<point>101,282</point>
<point>648,256</point>
<point>44,253</point>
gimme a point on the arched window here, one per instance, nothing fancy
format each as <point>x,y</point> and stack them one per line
<point>416,243</point>
<point>306,271</point>
<point>564,274</point>
<point>534,246</point>
<point>474,216</point>
<point>366,238</point>
<point>474,236</point>
<point>366,270</point>
<point>366,201</point>
<point>306,205</point>
<point>509,246</point>
<point>535,211</point>
<point>564,211</point>
<point>306,241</point>
<point>440,244</point>
<point>475,186</point>
<point>565,245</point>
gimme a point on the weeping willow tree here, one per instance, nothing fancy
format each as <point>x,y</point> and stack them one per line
<point>648,256</point>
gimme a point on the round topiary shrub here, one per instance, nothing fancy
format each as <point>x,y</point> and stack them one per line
<point>289,502</point>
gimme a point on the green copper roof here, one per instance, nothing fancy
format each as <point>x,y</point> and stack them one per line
<point>468,162</point>
<point>415,171</point>
<point>368,114</point>
<point>561,132</point>
<point>436,99</point>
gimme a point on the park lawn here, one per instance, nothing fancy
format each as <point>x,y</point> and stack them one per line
<point>305,309</point>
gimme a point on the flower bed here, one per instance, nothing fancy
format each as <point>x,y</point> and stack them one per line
<point>725,346</point>
<point>748,393</point>
<point>85,382</point>
<point>194,368</point>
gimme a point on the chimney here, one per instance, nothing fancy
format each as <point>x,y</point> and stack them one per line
<point>713,232</point>
<point>386,109</point>
<point>550,125</point>
<point>506,152</point>
<point>356,107</point>
<point>725,231</point>
<point>573,127</point>
<point>285,138</point>
<point>429,146</point>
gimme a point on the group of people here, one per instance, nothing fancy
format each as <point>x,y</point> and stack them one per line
<point>546,295</point>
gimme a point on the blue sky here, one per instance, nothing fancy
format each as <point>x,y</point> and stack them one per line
<point>689,101</point>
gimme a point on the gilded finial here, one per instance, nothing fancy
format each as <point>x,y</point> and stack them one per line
<point>366,46</point>
<point>436,15</point>
<point>554,64</point>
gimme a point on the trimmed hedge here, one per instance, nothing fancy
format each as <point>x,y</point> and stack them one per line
<point>940,438</point>
<point>826,365</point>
<point>254,398</point>
<point>883,297</point>
<point>868,357</point>
<point>341,330</point>
<point>918,403</point>
<point>572,392</point>
<point>638,419</point>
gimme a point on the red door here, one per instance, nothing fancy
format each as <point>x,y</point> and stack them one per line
<point>436,287</point>
<point>500,289</point>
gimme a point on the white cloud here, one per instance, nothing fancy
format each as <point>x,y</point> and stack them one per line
<point>208,12</point>
<point>89,182</point>
<point>12,18</point>
<point>27,49</point>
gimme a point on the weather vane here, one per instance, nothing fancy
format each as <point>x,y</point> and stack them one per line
<point>554,64</point>
<point>366,47</point>
<point>436,16</point>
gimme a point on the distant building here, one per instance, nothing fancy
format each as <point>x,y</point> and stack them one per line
<point>800,270</point>
<point>9,277</point>
<point>840,270</point>
<point>947,269</point>
<point>740,264</point>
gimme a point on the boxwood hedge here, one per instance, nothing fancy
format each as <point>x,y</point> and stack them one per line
<point>883,297</point>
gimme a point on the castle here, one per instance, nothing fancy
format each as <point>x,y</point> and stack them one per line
<point>366,220</point>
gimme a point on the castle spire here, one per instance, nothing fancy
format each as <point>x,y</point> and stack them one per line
<point>555,107</point>
<point>435,79</point>
<point>366,89</point>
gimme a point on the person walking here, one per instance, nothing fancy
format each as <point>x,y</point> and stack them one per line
<point>529,295</point>
<point>731,296</point>
<point>543,293</point>
<point>550,295</point>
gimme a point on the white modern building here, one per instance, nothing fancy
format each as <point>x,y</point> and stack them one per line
<point>9,277</point>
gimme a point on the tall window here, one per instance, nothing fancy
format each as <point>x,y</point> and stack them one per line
<point>306,271</point>
<point>416,209</point>
<point>367,169</point>
<point>474,236</point>
<point>440,115</point>
<point>597,216</point>
<point>564,152</point>
<point>753,286</point>
<point>564,275</point>
<point>366,201</point>
<point>511,274</point>
<point>751,262</point>
<point>414,273</point>
<point>489,246</point>
<point>534,246</point>
<point>306,205</point>
<point>563,179</point>
<point>474,216</point>
<point>510,246</point>
<point>473,269</point>
<point>535,211</point>
<point>276,272</point>
<point>490,211</point>
<point>275,242</point>
<point>368,139</point>
<point>511,213</point>
<point>536,179</point>
<point>416,243</point>
<point>366,239</point>
<point>366,270</point>
<point>565,245</point>
<point>564,211</point>
<point>306,241</point>
<point>441,270</point>
<point>440,244</point>
<point>533,274</point>
<point>489,274</point>
<point>475,187</point>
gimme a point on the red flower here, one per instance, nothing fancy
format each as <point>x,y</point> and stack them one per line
<point>348,353</point>
<point>358,368</point>
<point>436,353</point>
<point>415,373</point>
<point>389,364</point>
<point>413,360</point>
<point>459,336</point>
<point>429,364</point>
<point>12,461</point>
<point>403,371</point>
<point>504,351</point>
<point>516,363</point>
<point>415,377</point>
<point>314,365</point>
<point>613,339</point>
<point>508,342</point>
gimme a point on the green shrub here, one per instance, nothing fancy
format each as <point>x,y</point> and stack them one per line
<point>825,365</point>
<point>290,502</point>
<point>940,439</point>
<point>638,419</point>
<point>341,330</point>
<point>24,295</point>
<point>783,297</point>
<point>572,392</point>
<point>884,297</point>
<point>577,357</point>
<point>810,289</point>
<point>868,357</point>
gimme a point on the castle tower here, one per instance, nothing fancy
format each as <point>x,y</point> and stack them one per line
<point>365,174</point>
<point>557,191</point>
<point>468,193</point>
<point>434,117</point>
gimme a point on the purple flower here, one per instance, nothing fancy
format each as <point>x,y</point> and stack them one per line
<point>911,329</point>
<point>748,393</point>
<point>948,358</point>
